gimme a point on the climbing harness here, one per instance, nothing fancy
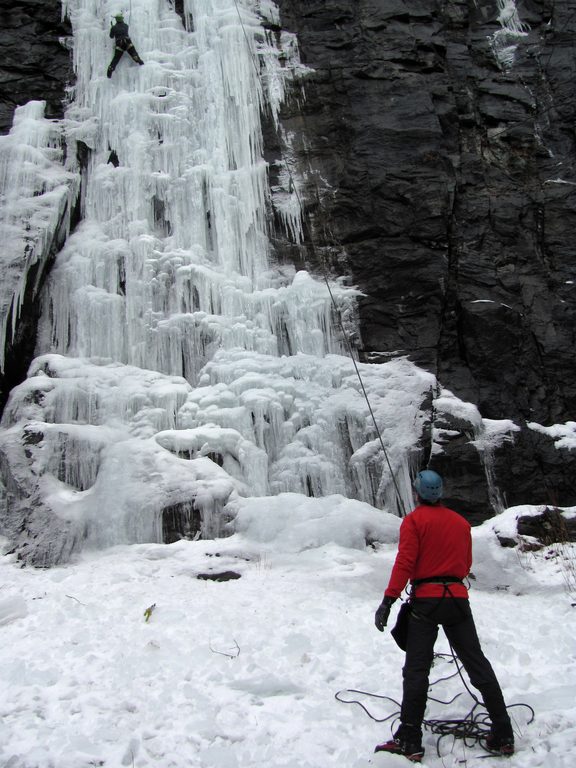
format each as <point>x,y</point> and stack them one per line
<point>444,580</point>
<point>345,335</point>
<point>400,630</point>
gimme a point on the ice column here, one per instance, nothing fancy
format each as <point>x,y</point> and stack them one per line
<point>505,41</point>
<point>172,259</point>
<point>37,190</point>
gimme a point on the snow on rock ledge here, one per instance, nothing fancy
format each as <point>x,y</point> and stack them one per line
<point>533,527</point>
<point>294,523</point>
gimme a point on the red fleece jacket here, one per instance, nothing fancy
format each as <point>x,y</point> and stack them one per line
<point>434,541</point>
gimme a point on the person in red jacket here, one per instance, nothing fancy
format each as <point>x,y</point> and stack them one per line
<point>435,555</point>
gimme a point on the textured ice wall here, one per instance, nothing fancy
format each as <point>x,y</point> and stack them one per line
<point>38,185</point>
<point>178,362</point>
<point>172,259</point>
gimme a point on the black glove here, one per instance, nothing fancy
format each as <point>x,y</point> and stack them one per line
<point>381,617</point>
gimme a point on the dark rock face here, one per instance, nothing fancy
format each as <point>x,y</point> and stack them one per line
<point>454,198</point>
<point>35,62</point>
<point>40,537</point>
<point>550,527</point>
<point>179,8</point>
<point>181,521</point>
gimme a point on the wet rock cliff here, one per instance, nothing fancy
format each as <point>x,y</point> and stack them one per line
<point>440,155</point>
<point>36,63</point>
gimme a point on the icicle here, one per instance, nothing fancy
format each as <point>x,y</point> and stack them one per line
<point>36,195</point>
<point>505,41</point>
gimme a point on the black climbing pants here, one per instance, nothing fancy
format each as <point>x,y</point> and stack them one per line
<point>455,617</point>
<point>123,44</point>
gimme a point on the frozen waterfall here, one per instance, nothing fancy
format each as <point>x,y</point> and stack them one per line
<point>504,41</point>
<point>179,364</point>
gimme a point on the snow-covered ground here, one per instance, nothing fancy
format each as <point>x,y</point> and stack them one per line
<point>243,673</point>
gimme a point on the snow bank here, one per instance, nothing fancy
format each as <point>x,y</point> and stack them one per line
<point>242,674</point>
<point>293,523</point>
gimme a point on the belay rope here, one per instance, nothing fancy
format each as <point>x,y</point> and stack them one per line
<point>472,729</point>
<point>345,335</point>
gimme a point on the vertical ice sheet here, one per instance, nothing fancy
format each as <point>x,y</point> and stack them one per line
<point>37,189</point>
<point>175,238</point>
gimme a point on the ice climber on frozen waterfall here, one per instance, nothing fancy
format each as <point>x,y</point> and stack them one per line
<point>119,32</point>
<point>435,555</point>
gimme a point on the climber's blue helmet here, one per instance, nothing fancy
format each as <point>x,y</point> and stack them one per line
<point>428,485</point>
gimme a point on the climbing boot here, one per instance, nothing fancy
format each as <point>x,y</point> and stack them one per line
<point>500,745</point>
<point>414,752</point>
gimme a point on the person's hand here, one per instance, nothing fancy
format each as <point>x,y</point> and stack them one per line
<point>382,613</point>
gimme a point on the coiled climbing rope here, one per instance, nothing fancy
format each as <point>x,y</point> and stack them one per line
<point>472,729</point>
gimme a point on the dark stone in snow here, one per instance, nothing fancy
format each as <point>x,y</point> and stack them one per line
<point>222,576</point>
<point>550,527</point>
<point>507,542</point>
